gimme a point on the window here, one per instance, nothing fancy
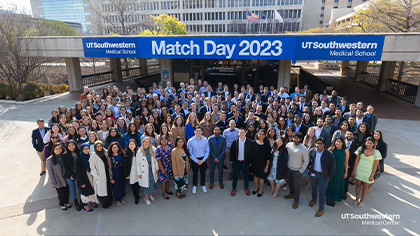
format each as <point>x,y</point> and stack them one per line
<point>322,8</point>
<point>322,15</point>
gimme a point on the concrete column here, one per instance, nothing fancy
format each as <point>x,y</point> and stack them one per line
<point>284,74</point>
<point>360,68</point>
<point>417,101</point>
<point>343,68</point>
<point>143,67</point>
<point>74,73</point>
<point>116,69</point>
<point>166,73</point>
<point>386,73</point>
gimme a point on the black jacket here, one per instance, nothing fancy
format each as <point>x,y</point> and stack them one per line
<point>127,163</point>
<point>327,162</point>
<point>240,122</point>
<point>68,166</point>
<point>37,140</point>
<point>249,151</point>
<point>281,167</point>
<point>352,157</point>
<point>82,178</point>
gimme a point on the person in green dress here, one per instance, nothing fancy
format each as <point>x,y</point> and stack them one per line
<point>335,189</point>
<point>367,160</point>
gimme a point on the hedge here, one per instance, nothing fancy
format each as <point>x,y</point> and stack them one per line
<point>30,90</point>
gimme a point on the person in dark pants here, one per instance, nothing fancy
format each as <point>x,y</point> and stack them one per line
<point>298,161</point>
<point>352,146</point>
<point>38,143</point>
<point>241,155</point>
<point>56,175</point>
<point>217,146</point>
<point>321,168</point>
<point>198,147</point>
<point>129,169</point>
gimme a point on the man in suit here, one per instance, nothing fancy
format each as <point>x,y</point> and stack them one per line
<point>222,123</point>
<point>185,110</point>
<point>217,145</point>
<point>251,95</point>
<point>38,143</point>
<point>241,154</point>
<point>306,92</point>
<point>298,126</point>
<point>371,118</point>
<point>209,93</point>
<point>206,108</point>
<point>239,120</point>
<point>343,105</point>
<point>352,146</point>
<point>334,98</point>
<point>114,107</point>
<point>178,112</point>
<point>321,169</point>
<point>320,131</point>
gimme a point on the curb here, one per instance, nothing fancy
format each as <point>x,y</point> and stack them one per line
<point>33,100</point>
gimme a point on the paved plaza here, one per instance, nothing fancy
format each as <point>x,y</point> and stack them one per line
<point>29,204</point>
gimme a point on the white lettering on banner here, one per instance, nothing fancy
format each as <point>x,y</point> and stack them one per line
<point>335,45</point>
<point>110,45</point>
<point>175,49</point>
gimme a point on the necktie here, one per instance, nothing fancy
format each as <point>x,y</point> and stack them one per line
<point>348,145</point>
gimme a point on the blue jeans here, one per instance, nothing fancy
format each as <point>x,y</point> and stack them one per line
<point>319,184</point>
<point>237,167</point>
<point>219,165</point>
<point>72,186</point>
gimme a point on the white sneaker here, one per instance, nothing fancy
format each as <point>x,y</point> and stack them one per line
<point>204,189</point>
<point>194,190</point>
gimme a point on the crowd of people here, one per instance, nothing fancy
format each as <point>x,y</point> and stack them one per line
<point>144,136</point>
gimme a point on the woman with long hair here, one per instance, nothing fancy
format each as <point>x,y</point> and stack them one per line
<point>72,134</point>
<point>130,169</point>
<point>282,125</point>
<point>54,118</point>
<point>190,125</point>
<point>82,135</point>
<point>278,165</point>
<point>336,185</point>
<point>63,123</point>
<point>104,132</point>
<point>163,157</point>
<point>116,155</point>
<point>132,133</point>
<point>100,169</point>
<point>55,129</point>
<point>94,126</point>
<point>382,147</point>
<point>178,128</point>
<point>362,133</point>
<point>260,162</point>
<point>206,125</point>
<point>68,161</point>
<point>122,126</point>
<point>288,134</point>
<point>56,175</point>
<point>149,131</point>
<point>153,121</point>
<point>180,166</point>
<point>309,140</point>
<point>271,136</point>
<point>48,148</point>
<point>85,179</point>
<point>114,136</point>
<point>251,132</point>
<point>147,169</point>
<point>367,161</point>
<point>164,131</point>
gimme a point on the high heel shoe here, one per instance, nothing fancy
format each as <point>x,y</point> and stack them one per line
<point>167,198</point>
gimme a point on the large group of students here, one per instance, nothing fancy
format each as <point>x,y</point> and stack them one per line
<point>140,137</point>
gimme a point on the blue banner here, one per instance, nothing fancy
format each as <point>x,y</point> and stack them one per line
<point>346,48</point>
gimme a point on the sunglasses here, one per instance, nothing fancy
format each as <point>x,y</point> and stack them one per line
<point>54,137</point>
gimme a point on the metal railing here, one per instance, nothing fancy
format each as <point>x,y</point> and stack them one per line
<point>370,79</point>
<point>97,79</point>
<point>315,83</point>
<point>402,90</point>
<point>132,72</point>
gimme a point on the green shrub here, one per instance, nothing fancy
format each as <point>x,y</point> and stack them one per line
<point>58,88</point>
<point>33,90</point>
<point>3,87</point>
<point>30,90</point>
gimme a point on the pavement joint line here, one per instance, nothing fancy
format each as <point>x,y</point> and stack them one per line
<point>31,207</point>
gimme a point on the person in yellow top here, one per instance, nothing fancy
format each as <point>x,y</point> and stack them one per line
<point>367,160</point>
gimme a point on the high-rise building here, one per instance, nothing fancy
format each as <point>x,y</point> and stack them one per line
<point>209,16</point>
<point>317,13</point>
<point>77,11</point>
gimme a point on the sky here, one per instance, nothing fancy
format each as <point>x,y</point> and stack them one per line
<point>21,5</point>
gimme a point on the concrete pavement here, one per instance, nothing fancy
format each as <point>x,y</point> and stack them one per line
<point>29,205</point>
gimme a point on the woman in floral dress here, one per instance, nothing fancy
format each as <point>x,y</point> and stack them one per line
<point>163,157</point>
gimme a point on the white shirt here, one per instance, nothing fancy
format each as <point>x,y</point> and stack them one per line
<point>358,122</point>
<point>317,132</point>
<point>317,164</point>
<point>241,151</point>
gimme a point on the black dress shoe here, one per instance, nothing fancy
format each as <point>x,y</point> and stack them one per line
<point>136,201</point>
<point>254,192</point>
<point>260,194</point>
<point>345,197</point>
<point>332,204</point>
<point>225,167</point>
<point>328,203</point>
<point>170,193</point>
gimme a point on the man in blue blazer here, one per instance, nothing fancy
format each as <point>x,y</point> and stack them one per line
<point>217,145</point>
<point>38,143</point>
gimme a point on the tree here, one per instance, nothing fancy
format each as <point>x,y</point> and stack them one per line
<point>164,25</point>
<point>16,32</point>
<point>395,16</point>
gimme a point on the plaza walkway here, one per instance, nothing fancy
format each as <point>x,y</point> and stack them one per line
<point>29,205</point>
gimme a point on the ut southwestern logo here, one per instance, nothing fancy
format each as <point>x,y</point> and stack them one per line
<point>343,49</point>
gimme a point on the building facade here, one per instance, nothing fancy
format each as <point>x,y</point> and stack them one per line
<point>78,11</point>
<point>210,16</point>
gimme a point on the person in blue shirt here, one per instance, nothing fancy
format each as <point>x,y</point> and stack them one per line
<point>198,147</point>
<point>132,133</point>
<point>191,125</point>
<point>297,92</point>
